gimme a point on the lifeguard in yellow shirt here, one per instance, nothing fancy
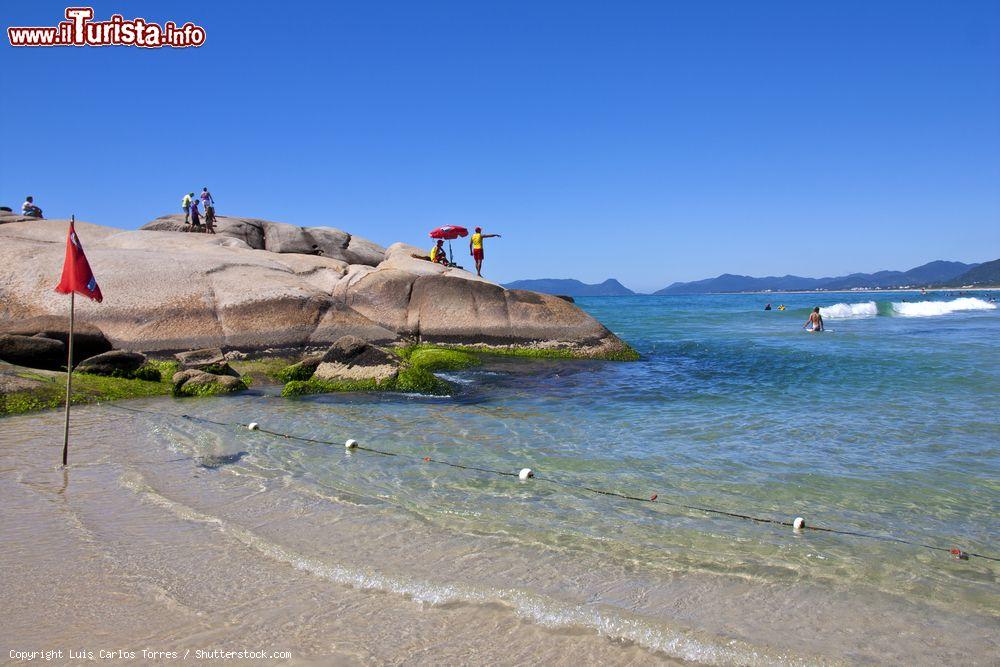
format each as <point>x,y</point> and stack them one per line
<point>476,248</point>
<point>438,255</point>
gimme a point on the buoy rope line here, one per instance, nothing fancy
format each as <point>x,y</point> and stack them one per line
<point>798,524</point>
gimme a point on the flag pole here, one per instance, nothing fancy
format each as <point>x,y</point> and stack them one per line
<point>69,373</point>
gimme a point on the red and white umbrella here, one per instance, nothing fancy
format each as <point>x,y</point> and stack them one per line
<point>449,232</point>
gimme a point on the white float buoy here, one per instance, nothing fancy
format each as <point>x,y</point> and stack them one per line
<point>798,524</point>
<point>525,474</point>
<point>351,444</point>
<point>253,426</point>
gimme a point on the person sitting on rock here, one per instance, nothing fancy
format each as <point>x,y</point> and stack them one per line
<point>29,209</point>
<point>186,206</point>
<point>438,255</point>
<point>195,219</point>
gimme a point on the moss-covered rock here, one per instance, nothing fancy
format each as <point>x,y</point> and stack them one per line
<point>300,371</point>
<point>621,353</point>
<point>440,356</point>
<point>25,390</point>
<point>194,382</point>
<point>148,372</point>
<point>410,379</point>
<point>265,367</point>
<point>433,358</point>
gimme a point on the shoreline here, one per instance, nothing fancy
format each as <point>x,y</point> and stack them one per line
<point>141,537</point>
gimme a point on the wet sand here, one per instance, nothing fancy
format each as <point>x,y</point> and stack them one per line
<point>138,546</point>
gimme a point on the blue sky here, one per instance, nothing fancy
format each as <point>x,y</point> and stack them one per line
<point>648,141</point>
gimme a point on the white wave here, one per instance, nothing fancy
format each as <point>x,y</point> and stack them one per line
<point>849,311</point>
<point>934,308</point>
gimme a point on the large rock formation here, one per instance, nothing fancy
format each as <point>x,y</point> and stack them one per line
<point>259,285</point>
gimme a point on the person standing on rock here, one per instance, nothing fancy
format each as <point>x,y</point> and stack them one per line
<point>476,248</point>
<point>195,219</point>
<point>206,199</point>
<point>186,206</point>
<point>210,218</point>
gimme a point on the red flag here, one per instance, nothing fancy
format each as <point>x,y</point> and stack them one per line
<point>77,276</point>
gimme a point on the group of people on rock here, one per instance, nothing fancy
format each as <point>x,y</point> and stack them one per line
<point>192,216</point>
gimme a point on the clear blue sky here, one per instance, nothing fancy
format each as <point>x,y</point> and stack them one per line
<point>649,141</point>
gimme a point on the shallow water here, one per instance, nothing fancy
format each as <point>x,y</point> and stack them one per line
<point>887,425</point>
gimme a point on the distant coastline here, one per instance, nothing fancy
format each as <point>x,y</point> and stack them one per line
<point>895,290</point>
<point>939,275</point>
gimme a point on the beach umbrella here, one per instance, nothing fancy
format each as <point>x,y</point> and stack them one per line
<point>449,232</point>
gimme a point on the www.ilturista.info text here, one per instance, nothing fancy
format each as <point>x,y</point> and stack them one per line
<point>80,30</point>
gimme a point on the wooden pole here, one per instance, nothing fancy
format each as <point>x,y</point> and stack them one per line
<point>69,374</point>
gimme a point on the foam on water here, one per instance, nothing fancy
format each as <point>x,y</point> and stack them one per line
<point>934,308</point>
<point>849,311</point>
<point>534,607</point>
<point>867,309</point>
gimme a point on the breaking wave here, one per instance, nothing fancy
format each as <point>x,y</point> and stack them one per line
<point>933,308</point>
<point>849,311</point>
<point>854,311</point>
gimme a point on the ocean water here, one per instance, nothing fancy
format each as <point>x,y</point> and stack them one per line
<point>888,424</point>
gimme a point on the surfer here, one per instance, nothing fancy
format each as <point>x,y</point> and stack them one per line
<point>816,320</point>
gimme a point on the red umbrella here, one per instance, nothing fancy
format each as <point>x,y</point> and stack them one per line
<point>449,232</point>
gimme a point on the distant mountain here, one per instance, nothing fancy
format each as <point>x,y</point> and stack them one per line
<point>570,287</point>
<point>932,273</point>
<point>986,274</point>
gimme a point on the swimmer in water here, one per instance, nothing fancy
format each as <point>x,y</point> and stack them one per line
<point>816,320</point>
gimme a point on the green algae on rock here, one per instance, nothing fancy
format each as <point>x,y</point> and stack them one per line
<point>194,382</point>
<point>410,379</point>
<point>30,390</point>
<point>434,358</point>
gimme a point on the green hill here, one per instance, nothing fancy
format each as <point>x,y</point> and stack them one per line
<point>986,274</point>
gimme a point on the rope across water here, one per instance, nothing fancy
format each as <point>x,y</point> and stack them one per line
<point>654,499</point>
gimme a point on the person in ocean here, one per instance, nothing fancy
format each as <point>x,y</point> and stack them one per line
<point>815,321</point>
<point>476,248</point>
<point>186,206</point>
<point>781,307</point>
<point>438,255</point>
<point>767,307</point>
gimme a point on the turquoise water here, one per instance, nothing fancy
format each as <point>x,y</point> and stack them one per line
<point>886,424</point>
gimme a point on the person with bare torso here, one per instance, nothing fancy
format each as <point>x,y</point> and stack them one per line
<point>815,321</point>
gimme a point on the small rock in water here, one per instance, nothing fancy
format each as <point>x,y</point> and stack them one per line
<point>217,461</point>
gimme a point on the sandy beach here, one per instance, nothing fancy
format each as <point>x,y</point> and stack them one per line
<point>142,544</point>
